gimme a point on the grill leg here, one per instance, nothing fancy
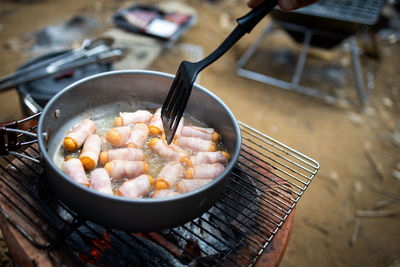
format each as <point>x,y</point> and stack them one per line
<point>250,51</point>
<point>302,58</point>
<point>357,70</point>
<point>294,84</point>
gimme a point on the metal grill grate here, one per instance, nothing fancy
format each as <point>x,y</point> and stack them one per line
<point>357,11</point>
<point>267,182</point>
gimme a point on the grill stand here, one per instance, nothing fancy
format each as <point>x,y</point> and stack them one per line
<point>294,84</point>
<point>255,214</point>
<point>24,253</point>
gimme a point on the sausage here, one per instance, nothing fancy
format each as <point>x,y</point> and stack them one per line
<point>138,136</point>
<point>180,127</point>
<point>156,125</point>
<point>127,153</point>
<point>186,185</point>
<point>100,181</point>
<point>171,153</point>
<point>204,171</point>
<point>137,187</point>
<point>91,151</point>
<point>200,132</point>
<point>131,118</point>
<point>164,193</point>
<point>77,136</point>
<point>74,169</point>
<point>119,169</point>
<point>119,136</point>
<point>208,158</point>
<point>169,175</point>
<point>196,144</point>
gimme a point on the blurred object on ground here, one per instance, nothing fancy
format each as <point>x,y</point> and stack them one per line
<point>168,23</point>
<point>142,50</point>
<point>65,35</point>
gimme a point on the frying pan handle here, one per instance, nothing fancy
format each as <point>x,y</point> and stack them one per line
<point>31,104</point>
<point>10,136</point>
<point>250,20</point>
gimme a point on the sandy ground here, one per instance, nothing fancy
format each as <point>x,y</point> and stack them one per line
<point>358,149</point>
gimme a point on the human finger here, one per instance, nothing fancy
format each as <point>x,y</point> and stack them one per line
<point>283,4</point>
<point>254,3</point>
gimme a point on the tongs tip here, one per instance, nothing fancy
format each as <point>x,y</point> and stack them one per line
<point>168,125</point>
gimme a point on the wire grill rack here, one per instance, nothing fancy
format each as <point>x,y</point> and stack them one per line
<point>357,11</point>
<point>265,185</point>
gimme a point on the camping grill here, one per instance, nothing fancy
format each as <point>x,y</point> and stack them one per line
<point>330,20</point>
<point>265,185</point>
<point>355,11</point>
<point>324,24</point>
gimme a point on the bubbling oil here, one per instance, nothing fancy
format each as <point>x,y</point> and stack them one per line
<point>105,122</point>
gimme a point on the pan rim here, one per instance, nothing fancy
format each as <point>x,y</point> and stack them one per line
<point>141,201</point>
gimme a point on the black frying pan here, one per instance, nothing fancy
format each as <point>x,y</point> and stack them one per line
<point>109,93</point>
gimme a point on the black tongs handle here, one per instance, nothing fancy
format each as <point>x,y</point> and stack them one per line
<point>250,20</point>
<point>245,25</point>
<point>179,93</point>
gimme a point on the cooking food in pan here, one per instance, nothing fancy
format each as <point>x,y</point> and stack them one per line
<point>100,98</point>
<point>132,159</point>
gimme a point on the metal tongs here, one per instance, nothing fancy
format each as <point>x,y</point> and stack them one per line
<point>91,51</point>
<point>179,93</point>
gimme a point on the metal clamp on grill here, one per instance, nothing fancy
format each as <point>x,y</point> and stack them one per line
<point>12,138</point>
<point>8,139</point>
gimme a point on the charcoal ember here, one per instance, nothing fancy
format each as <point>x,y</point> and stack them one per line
<point>97,246</point>
<point>240,205</point>
<point>268,183</point>
<point>221,229</point>
<point>205,235</point>
<point>57,216</point>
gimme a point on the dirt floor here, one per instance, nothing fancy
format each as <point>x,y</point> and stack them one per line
<point>350,214</point>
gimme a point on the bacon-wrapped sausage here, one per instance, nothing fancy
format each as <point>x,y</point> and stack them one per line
<point>100,181</point>
<point>131,118</point>
<point>156,125</point>
<point>74,169</point>
<point>208,158</point>
<point>91,151</point>
<point>137,187</point>
<point>127,153</point>
<point>171,153</point>
<point>186,185</point>
<point>119,169</point>
<point>139,134</point>
<point>119,136</point>
<point>196,144</point>
<point>201,132</point>
<point>77,136</point>
<point>164,193</point>
<point>180,127</point>
<point>169,175</point>
<point>204,171</point>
